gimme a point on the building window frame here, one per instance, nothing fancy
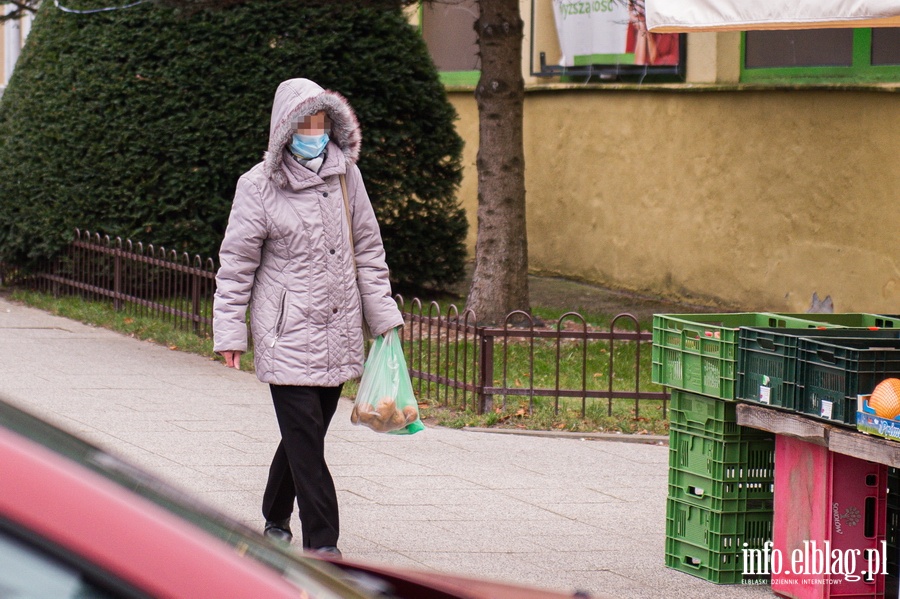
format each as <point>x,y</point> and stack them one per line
<point>461,78</point>
<point>604,68</point>
<point>861,69</point>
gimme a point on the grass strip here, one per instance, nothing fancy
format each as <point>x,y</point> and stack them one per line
<point>513,411</point>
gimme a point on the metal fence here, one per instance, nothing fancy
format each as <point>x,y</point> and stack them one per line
<point>139,280</point>
<point>459,363</point>
<point>453,360</point>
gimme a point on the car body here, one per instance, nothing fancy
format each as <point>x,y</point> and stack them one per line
<point>76,521</point>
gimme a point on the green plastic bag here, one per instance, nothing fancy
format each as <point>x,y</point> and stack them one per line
<point>385,402</point>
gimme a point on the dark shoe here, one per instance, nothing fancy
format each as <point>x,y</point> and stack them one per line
<point>328,551</point>
<point>279,530</point>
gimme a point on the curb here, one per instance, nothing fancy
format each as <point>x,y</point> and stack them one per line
<point>620,437</point>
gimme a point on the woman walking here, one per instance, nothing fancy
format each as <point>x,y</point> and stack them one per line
<point>303,250</point>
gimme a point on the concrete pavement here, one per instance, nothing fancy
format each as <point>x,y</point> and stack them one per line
<point>562,513</point>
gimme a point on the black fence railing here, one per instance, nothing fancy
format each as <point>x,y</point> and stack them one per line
<point>144,281</point>
<point>453,360</point>
<point>460,363</point>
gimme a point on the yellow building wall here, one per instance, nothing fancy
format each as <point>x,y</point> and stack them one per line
<point>746,199</point>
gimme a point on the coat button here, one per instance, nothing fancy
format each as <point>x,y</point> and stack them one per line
<point>334,310</point>
<point>330,251</point>
<point>325,194</point>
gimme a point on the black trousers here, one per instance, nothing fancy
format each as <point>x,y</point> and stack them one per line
<point>298,470</point>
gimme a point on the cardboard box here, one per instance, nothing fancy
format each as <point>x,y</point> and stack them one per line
<point>867,422</point>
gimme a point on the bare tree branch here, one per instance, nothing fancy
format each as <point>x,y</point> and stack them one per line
<point>22,7</point>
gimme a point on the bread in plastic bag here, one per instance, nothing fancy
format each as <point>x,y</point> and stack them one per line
<point>385,401</point>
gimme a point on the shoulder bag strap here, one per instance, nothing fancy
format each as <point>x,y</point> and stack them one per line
<point>367,333</point>
<point>349,221</point>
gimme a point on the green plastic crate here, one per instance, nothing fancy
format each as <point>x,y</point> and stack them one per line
<point>725,461</point>
<point>854,320</point>
<point>711,544</point>
<point>717,531</point>
<point>712,566</point>
<point>833,372</point>
<point>768,369</point>
<point>698,352</point>
<point>721,496</point>
<point>710,416</point>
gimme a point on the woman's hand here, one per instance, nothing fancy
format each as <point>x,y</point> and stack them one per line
<point>232,359</point>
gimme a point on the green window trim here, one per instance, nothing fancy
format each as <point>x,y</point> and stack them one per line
<point>602,59</point>
<point>861,69</point>
<point>460,78</point>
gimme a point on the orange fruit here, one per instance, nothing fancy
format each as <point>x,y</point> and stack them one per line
<point>885,399</point>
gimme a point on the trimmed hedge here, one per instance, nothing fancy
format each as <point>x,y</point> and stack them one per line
<point>138,122</point>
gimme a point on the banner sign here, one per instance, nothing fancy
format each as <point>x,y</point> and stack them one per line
<point>605,32</point>
<point>740,15</point>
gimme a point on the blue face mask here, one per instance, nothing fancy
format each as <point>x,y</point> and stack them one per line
<point>308,146</point>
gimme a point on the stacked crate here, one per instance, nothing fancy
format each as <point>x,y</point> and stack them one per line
<point>721,475</point>
<point>699,352</point>
<point>830,525</point>
<point>770,370</point>
<point>892,532</point>
<point>720,488</point>
<point>721,498</point>
<point>818,372</point>
<point>832,373</point>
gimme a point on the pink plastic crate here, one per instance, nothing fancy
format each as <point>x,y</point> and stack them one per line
<point>829,524</point>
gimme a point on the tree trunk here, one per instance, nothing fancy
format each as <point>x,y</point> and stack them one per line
<point>500,283</point>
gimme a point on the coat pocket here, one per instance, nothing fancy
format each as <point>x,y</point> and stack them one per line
<point>281,319</point>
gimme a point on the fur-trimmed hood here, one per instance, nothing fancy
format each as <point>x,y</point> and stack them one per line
<point>295,99</point>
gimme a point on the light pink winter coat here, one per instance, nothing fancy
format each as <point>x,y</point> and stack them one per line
<point>286,254</point>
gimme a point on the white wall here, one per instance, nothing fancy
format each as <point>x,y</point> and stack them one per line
<point>12,38</point>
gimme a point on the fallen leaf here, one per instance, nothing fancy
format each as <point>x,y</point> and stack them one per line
<point>128,321</point>
<point>173,347</point>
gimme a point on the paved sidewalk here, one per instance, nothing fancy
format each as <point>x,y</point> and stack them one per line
<point>560,513</point>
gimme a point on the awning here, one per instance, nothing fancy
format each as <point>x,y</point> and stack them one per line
<point>744,15</point>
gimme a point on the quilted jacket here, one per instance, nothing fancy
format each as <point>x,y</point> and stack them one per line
<point>286,254</point>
